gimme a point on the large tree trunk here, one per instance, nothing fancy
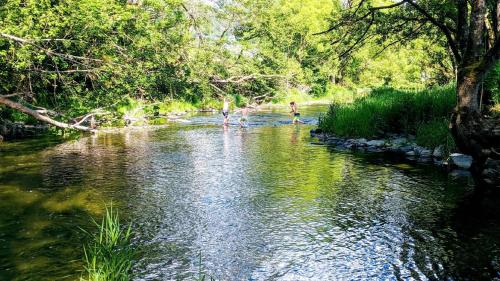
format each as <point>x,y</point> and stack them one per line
<point>474,134</point>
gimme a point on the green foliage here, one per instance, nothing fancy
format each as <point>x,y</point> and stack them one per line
<point>109,254</point>
<point>388,110</point>
<point>89,54</point>
<point>239,100</point>
<point>175,106</point>
<point>492,84</point>
<point>435,133</point>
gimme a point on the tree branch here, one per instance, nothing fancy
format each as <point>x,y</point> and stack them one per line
<point>17,106</point>
<point>360,39</point>
<point>441,26</point>
<point>195,24</point>
<point>387,7</point>
<point>241,79</point>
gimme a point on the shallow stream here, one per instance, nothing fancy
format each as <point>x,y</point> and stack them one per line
<point>256,203</point>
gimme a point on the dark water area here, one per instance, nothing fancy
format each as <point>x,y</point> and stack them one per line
<point>256,203</point>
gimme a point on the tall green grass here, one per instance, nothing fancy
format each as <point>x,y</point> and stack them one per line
<point>436,133</point>
<point>387,110</point>
<point>108,255</point>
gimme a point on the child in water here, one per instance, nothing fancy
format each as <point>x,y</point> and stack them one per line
<point>225,111</point>
<point>295,112</point>
<point>244,115</point>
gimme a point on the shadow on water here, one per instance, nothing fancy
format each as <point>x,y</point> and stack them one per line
<point>45,197</point>
<point>257,203</point>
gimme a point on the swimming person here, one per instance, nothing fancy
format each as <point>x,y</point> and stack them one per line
<point>295,113</point>
<point>225,111</point>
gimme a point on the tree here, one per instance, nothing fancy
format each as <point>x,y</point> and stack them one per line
<point>75,56</point>
<point>471,32</point>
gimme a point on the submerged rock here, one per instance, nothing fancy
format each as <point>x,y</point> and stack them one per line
<point>399,141</point>
<point>374,149</point>
<point>460,174</point>
<point>425,153</point>
<point>462,161</point>
<point>315,132</point>
<point>491,172</point>
<point>440,163</point>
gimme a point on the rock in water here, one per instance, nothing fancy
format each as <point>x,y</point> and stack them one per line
<point>399,141</point>
<point>376,143</point>
<point>425,153</point>
<point>410,153</point>
<point>1,138</point>
<point>406,149</point>
<point>438,152</point>
<point>491,172</point>
<point>360,142</point>
<point>461,160</point>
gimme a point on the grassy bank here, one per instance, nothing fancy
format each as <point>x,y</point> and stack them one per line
<point>331,94</point>
<point>424,114</point>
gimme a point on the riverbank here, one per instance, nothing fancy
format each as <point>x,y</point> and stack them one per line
<point>400,145</point>
<point>424,114</point>
<point>414,124</point>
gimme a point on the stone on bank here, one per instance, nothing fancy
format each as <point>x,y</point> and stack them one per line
<point>462,161</point>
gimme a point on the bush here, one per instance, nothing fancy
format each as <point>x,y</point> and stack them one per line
<point>240,101</point>
<point>387,110</point>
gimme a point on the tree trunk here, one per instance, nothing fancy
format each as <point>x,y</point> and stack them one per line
<point>473,134</point>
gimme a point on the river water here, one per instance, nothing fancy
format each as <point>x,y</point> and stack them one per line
<point>256,203</point>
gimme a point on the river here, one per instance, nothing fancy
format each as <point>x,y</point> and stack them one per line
<point>256,203</point>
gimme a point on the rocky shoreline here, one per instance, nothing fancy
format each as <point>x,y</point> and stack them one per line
<point>405,146</point>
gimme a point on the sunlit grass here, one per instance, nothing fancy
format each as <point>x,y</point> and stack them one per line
<point>388,110</point>
<point>109,255</point>
<point>332,94</point>
<point>175,106</point>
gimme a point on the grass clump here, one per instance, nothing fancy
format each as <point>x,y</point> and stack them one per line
<point>175,106</point>
<point>387,110</point>
<point>108,255</point>
<point>435,133</point>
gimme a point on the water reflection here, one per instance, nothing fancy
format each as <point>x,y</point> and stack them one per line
<point>258,203</point>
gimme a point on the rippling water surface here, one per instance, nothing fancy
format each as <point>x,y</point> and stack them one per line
<point>257,203</point>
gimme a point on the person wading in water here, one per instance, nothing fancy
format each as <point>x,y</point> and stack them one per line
<point>225,112</point>
<point>295,113</point>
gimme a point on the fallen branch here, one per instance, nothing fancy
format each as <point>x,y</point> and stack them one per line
<point>241,79</point>
<point>218,89</point>
<point>37,115</point>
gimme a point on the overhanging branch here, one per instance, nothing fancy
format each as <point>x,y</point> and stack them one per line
<point>37,115</point>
